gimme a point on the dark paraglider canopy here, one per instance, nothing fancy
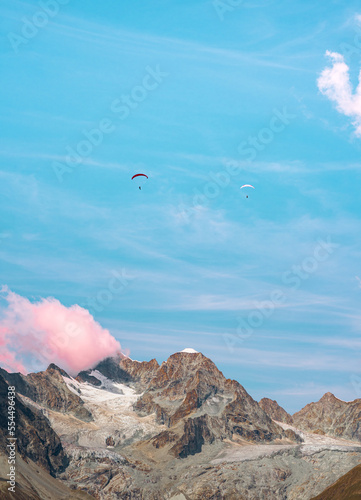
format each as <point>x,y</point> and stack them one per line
<point>139,175</point>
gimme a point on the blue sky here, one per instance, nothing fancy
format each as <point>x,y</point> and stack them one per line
<point>195,266</point>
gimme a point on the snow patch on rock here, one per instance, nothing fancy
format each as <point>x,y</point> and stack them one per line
<point>112,408</point>
<point>78,453</point>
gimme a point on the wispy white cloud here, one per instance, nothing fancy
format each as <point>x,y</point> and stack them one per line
<point>345,343</point>
<point>33,193</point>
<point>286,359</point>
<point>136,42</point>
<point>217,163</point>
<point>315,391</point>
<point>89,162</point>
<point>209,302</point>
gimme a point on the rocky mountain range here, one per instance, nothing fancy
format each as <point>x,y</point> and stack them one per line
<point>179,430</point>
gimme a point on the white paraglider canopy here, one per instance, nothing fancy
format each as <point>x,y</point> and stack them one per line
<point>247,186</point>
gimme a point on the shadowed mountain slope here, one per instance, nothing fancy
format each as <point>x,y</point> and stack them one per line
<point>348,487</point>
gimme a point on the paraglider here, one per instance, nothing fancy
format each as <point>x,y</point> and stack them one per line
<point>139,175</point>
<point>247,186</point>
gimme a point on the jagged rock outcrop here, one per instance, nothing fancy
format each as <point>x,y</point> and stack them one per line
<point>49,389</point>
<point>275,411</point>
<point>189,388</point>
<point>110,368</point>
<point>164,438</point>
<point>36,440</point>
<point>85,376</point>
<point>197,431</point>
<point>121,369</point>
<point>331,416</point>
<point>142,372</point>
<point>189,395</point>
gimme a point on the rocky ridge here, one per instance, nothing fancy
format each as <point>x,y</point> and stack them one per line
<point>179,430</point>
<point>35,437</point>
<point>275,411</point>
<point>331,416</point>
<point>49,390</point>
<point>40,455</point>
<point>189,389</point>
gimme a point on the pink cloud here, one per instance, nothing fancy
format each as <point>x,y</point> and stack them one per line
<point>7,358</point>
<point>334,82</point>
<point>32,335</point>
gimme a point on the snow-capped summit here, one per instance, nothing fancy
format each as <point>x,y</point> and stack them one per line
<point>190,350</point>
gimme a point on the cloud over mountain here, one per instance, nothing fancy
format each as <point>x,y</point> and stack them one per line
<point>33,334</point>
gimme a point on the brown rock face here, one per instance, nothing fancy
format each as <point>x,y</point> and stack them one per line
<point>196,433</point>
<point>123,370</point>
<point>141,372</point>
<point>331,416</point>
<point>110,441</point>
<point>85,376</point>
<point>163,439</point>
<point>275,411</point>
<point>189,404</point>
<point>180,385</point>
<point>49,389</point>
<point>36,440</point>
<point>246,419</point>
<point>110,368</point>
<point>189,389</point>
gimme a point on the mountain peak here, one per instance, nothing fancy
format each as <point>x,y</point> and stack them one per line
<point>275,411</point>
<point>328,397</point>
<point>53,367</point>
<point>190,350</point>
